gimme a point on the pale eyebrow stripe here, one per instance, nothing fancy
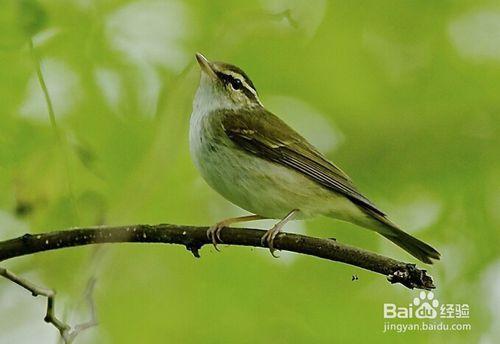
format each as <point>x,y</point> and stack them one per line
<point>243,81</point>
<point>245,84</point>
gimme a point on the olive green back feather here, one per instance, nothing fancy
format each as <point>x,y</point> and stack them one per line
<point>260,132</point>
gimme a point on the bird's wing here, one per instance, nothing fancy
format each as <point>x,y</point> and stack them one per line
<point>268,137</point>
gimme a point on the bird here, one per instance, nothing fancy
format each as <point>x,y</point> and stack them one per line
<point>259,163</point>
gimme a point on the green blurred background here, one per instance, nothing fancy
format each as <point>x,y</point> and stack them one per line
<point>404,95</point>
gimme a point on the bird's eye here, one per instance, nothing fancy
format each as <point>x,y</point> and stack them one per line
<point>236,84</point>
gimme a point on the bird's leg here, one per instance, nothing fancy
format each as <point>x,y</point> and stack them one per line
<point>213,233</point>
<point>273,232</point>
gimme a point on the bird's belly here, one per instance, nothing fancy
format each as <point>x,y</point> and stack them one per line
<point>259,186</point>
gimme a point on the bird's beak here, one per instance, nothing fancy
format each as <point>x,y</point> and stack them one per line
<point>205,66</point>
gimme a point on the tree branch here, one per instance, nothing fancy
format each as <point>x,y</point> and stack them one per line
<point>193,238</point>
<point>68,334</point>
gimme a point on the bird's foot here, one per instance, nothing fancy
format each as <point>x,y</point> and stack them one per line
<point>271,234</point>
<point>268,238</point>
<point>213,233</point>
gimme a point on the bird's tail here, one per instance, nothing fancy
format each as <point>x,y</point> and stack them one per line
<point>410,244</point>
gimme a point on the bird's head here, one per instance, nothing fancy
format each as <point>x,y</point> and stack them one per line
<point>225,86</point>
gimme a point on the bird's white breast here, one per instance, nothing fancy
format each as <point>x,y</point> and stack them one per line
<point>254,184</point>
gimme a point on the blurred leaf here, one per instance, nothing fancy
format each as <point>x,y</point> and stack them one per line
<point>32,16</point>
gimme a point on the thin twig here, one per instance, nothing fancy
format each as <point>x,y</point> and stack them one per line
<point>89,298</point>
<point>35,290</point>
<point>193,238</point>
<point>68,334</point>
<point>52,117</point>
<point>45,90</point>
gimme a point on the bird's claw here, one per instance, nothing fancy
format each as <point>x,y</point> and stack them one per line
<point>213,233</point>
<point>268,239</point>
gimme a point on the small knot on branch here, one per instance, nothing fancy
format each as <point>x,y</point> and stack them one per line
<point>194,248</point>
<point>26,237</point>
<point>411,277</point>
